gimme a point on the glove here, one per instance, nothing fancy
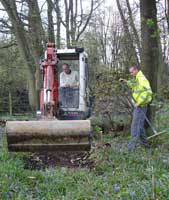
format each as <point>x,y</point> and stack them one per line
<point>135,105</point>
<point>122,80</point>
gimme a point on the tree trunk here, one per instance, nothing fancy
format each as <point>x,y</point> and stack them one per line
<point>136,36</point>
<point>37,38</point>
<point>30,45</point>
<point>58,23</point>
<point>151,56</point>
<point>51,36</point>
<point>21,38</point>
<point>75,22</point>
<point>167,13</point>
<point>67,25</point>
<point>150,41</point>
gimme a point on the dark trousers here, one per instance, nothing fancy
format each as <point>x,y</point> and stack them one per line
<point>137,127</point>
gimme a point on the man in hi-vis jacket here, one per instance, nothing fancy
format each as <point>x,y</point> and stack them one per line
<point>141,96</point>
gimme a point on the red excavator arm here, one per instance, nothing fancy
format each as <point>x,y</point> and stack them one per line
<point>49,92</point>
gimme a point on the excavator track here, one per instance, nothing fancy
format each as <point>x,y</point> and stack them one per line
<point>54,135</point>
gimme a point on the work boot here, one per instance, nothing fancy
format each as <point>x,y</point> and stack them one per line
<point>133,144</point>
<point>143,141</point>
<point>145,144</point>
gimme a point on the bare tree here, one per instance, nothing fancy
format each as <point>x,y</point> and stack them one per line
<point>131,50</point>
<point>58,16</point>
<point>71,15</point>
<point>75,20</point>
<point>29,37</point>
<point>100,24</point>
<point>51,35</point>
<point>167,12</point>
<point>116,46</point>
<point>135,35</point>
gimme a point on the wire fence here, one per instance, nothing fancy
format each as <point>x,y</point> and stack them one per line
<point>14,103</point>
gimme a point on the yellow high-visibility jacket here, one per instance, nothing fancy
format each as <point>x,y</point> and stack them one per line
<point>141,90</point>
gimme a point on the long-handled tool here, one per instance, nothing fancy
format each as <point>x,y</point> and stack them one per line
<point>131,100</point>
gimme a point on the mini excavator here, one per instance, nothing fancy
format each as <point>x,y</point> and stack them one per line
<point>62,123</point>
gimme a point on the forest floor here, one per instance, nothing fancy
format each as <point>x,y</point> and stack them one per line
<point>108,172</point>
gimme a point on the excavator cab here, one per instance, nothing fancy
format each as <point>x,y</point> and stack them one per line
<point>62,124</point>
<point>74,101</point>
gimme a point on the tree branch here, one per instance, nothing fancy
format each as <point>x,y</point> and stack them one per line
<point>9,45</point>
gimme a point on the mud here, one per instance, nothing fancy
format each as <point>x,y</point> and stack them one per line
<point>40,161</point>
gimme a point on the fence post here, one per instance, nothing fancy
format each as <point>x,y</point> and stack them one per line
<point>10,104</point>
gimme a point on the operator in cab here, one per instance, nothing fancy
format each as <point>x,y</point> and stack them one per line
<point>68,77</point>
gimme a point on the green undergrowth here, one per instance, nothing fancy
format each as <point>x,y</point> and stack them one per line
<point>20,117</point>
<point>115,174</point>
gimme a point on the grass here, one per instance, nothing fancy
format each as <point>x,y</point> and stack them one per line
<point>117,174</point>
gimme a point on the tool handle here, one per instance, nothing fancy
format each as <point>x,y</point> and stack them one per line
<point>148,121</point>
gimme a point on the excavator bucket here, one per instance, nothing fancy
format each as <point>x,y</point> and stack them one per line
<point>54,135</point>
